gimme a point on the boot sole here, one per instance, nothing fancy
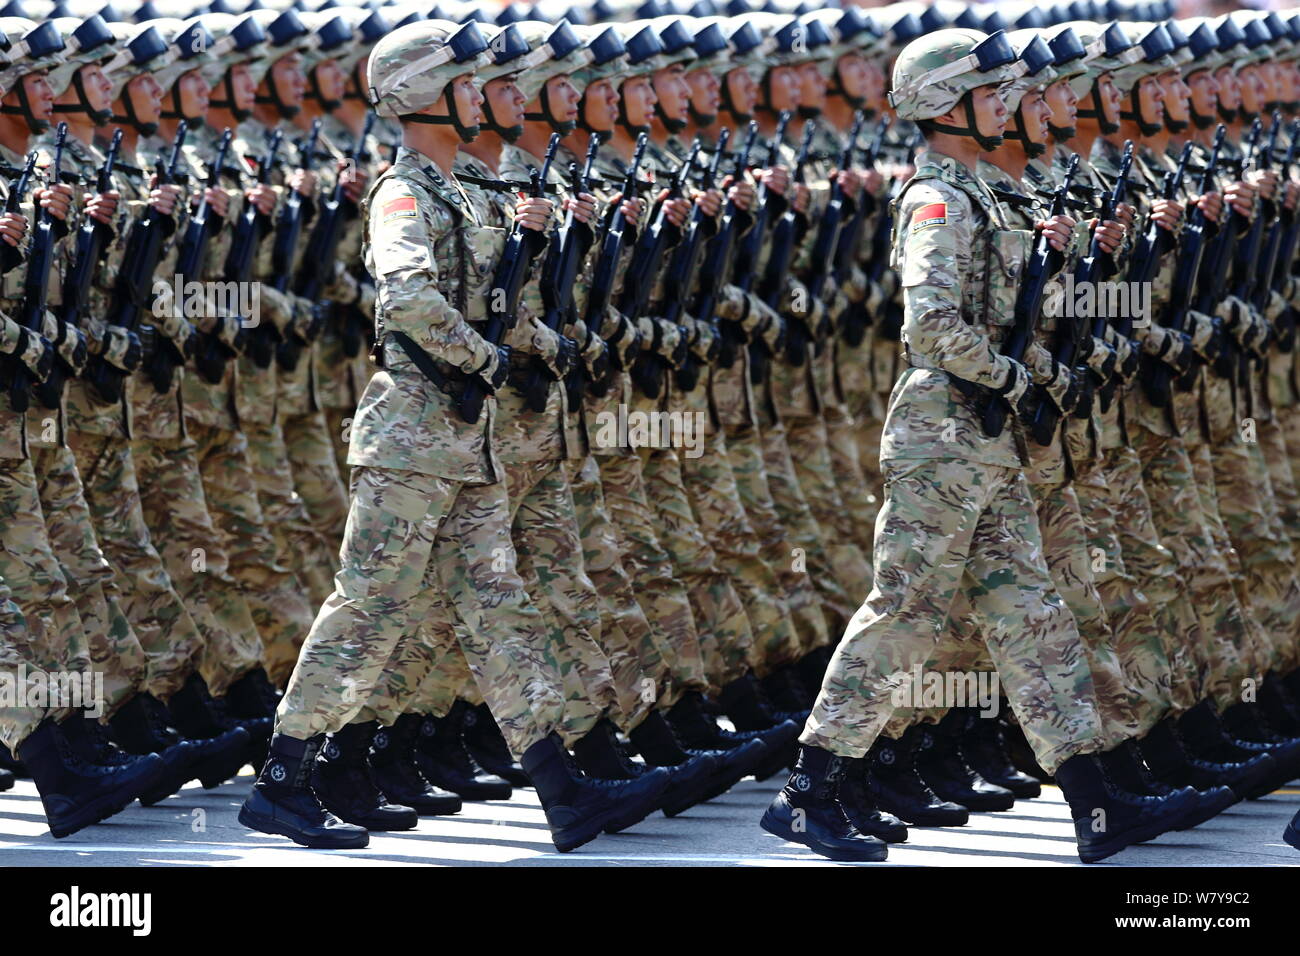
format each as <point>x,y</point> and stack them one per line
<point>255,821</point>
<point>98,810</point>
<point>778,829</point>
<point>7,784</point>
<point>1098,852</point>
<point>1210,812</point>
<point>575,837</point>
<point>644,809</point>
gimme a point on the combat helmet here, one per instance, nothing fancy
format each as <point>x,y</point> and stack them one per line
<point>1040,71</point>
<point>558,51</point>
<point>413,67</point>
<point>936,73</point>
<point>85,42</point>
<point>238,39</point>
<point>140,49</point>
<point>37,47</point>
<point>608,59</point>
<point>1110,49</point>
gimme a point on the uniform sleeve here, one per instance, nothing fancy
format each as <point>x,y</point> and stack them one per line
<point>936,222</point>
<point>407,290</point>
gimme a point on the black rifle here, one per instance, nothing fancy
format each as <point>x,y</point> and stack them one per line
<point>717,260</point>
<point>1285,329</point>
<point>288,229</point>
<point>1193,241</point>
<point>40,259</point>
<point>213,352</point>
<point>354,325</point>
<point>1044,263</point>
<point>854,322</point>
<point>133,288</point>
<point>252,227</point>
<point>92,240</point>
<point>786,236</point>
<point>568,248</point>
<point>522,247</point>
<point>647,258</point>
<point>12,256</point>
<point>679,279</point>
<point>618,233</point>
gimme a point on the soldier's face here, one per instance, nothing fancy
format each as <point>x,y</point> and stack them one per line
<point>1151,98</point>
<point>705,91</point>
<point>875,94</point>
<point>506,101</point>
<point>853,76</point>
<point>40,97</point>
<point>469,101</point>
<point>812,86</point>
<point>331,79</point>
<point>1062,103</point>
<point>194,93</point>
<point>673,93</point>
<point>1229,92</point>
<point>743,90</point>
<point>600,106</point>
<point>97,87</point>
<point>639,100</point>
<point>1034,108</point>
<point>1110,97</point>
<point>563,97</point>
<point>241,81</point>
<point>286,74</point>
<point>1205,92</point>
<point>1285,89</point>
<point>146,97</point>
<point>1176,96</point>
<point>990,112</point>
<point>784,83</point>
<point>1251,90</point>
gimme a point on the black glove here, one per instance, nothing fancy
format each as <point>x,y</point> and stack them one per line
<point>499,374</point>
<point>598,363</point>
<point>147,336</point>
<point>134,354</point>
<point>1128,368</point>
<point>1109,362</point>
<point>320,313</point>
<point>1086,346</point>
<point>41,368</point>
<point>566,357</point>
<point>1218,339</point>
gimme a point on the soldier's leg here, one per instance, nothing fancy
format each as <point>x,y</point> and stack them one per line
<point>1286,494</point>
<point>277,600</point>
<point>715,500</point>
<point>339,423</point>
<point>850,477</point>
<point>175,510</point>
<point>775,541</point>
<point>297,544</point>
<point>316,475</point>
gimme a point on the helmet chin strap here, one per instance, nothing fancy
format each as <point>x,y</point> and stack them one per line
<point>1176,126</point>
<point>563,127</point>
<point>24,109</point>
<point>1199,120</point>
<point>1225,114</point>
<point>1098,112</point>
<point>1021,135</point>
<point>809,112</point>
<point>509,133</point>
<point>328,105</point>
<point>702,120</point>
<point>144,129</point>
<point>670,123</point>
<point>971,129</point>
<point>176,113</point>
<point>467,133</point>
<point>603,135</point>
<point>1135,115</point>
<point>626,123</point>
<point>285,110</point>
<point>837,88</point>
<point>729,104</point>
<point>238,112</point>
<point>98,117</point>
<point>1062,133</point>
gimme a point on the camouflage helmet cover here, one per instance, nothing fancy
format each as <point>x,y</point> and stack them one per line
<point>934,72</point>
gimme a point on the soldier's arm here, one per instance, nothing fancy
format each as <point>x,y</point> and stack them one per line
<point>937,228</point>
<point>406,273</point>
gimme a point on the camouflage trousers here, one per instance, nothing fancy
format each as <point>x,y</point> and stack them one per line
<point>1143,642</point>
<point>1224,652</point>
<point>925,552</point>
<point>720,513</point>
<point>840,573</point>
<point>114,648</point>
<point>860,503</point>
<point>662,595</point>
<point>1281,474</point>
<point>195,557</point>
<point>778,546</point>
<point>637,652</point>
<point>53,638</point>
<point>726,638</point>
<point>339,423</point>
<point>16,723</point>
<point>297,544</point>
<point>316,475</point>
<point>411,541</point>
<point>275,597</point>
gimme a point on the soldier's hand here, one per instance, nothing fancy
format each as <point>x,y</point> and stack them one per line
<point>493,376</point>
<point>35,352</point>
<point>353,178</point>
<point>56,199</point>
<point>583,207</point>
<point>709,201</point>
<point>13,227</point>
<point>1211,204</point>
<point>164,199</point>
<point>72,347</point>
<point>632,209</point>
<point>595,357</point>
<point>872,181</point>
<point>1063,389</point>
<point>263,197</point>
<point>1128,364</point>
<point>566,356</point>
<point>1057,230</point>
<point>533,212</point>
<point>1266,181</point>
<point>1291,195</point>
<point>302,182</point>
<point>802,198</point>
<point>1241,197</point>
<point>777,179</point>
<point>1126,214</point>
<point>217,199</point>
<point>101,207</point>
<point>743,194</point>
<point>319,314</point>
<point>677,210</point>
<point>1166,213</point>
<point>849,181</point>
<point>1109,234</point>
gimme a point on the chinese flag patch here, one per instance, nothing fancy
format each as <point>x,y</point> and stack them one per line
<point>935,214</point>
<point>403,208</point>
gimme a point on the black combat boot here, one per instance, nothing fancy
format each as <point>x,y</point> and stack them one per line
<point>487,745</point>
<point>810,811</point>
<point>1124,767</point>
<point>1173,762</point>
<point>895,786</point>
<point>984,747</point>
<point>599,755</point>
<point>76,792</point>
<point>139,727</point>
<point>1106,820</point>
<point>392,764</point>
<point>252,701</point>
<point>7,780</point>
<point>1283,711</point>
<point>1204,733</point>
<point>744,702</point>
<point>941,765</point>
<point>441,755</point>
<point>346,788</point>
<point>787,691</point>
<point>860,805</point>
<point>225,746</point>
<point>1292,832</point>
<point>698,732</point>
<point>282,801</point>
<point>11,763</point>
<point>1250,728</point>
<point>694,776</point>
<point>578,808</point>
<point>1291,682</point>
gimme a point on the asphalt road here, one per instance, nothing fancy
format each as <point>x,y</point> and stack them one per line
<point>199,828</point>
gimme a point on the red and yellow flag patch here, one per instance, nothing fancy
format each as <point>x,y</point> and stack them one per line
<point>935,214</point>
<point>402,208</point>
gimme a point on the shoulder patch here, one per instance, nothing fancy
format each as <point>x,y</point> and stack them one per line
<point>403,207</point>
<point>932,214</point>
